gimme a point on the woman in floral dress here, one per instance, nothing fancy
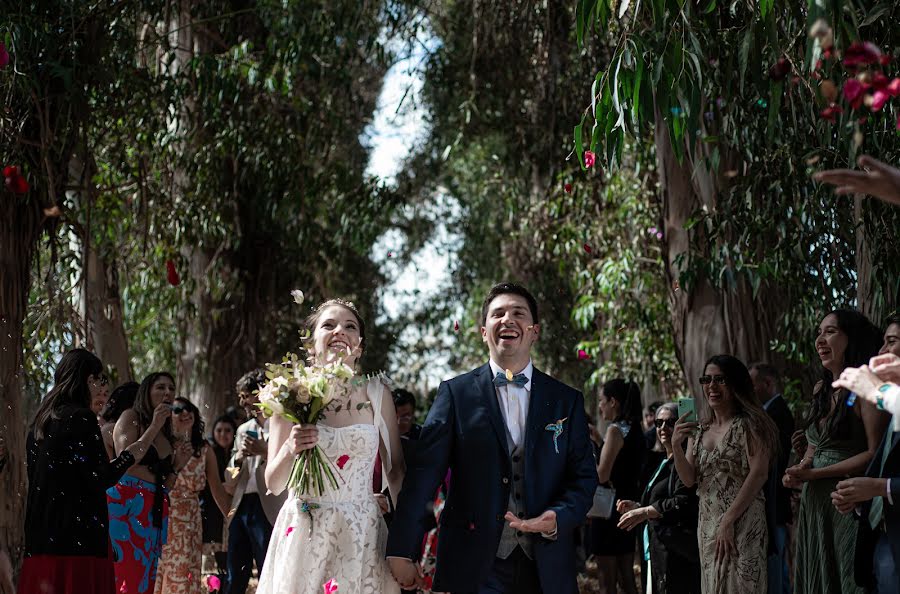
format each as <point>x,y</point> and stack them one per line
<point>180,566</point>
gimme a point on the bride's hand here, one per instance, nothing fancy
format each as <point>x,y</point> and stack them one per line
<point>303,437</point>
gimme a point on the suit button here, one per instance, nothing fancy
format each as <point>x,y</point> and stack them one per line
<point>505,481</point>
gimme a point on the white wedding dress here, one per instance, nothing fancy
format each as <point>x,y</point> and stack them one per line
<point>345,537</point>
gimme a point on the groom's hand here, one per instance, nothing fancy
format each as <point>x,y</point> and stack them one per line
<point>543,524</point>
<point>406,573</point>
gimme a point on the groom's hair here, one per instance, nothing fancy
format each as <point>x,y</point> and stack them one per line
<point>509,288</point>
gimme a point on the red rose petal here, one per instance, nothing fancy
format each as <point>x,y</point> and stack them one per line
<point>17,184</point>
<point>568,188</point>
<point>289,530</point>
<point>10,170</point>
<point>582,354</point>
<point>342,461</point>
<point>589,159</point>
<point>172,274</point>
<point>587,248</point>
<point>456,325</point>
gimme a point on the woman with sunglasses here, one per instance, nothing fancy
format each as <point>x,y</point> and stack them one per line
<point>668,511</point>
<point>728,460</point>
<point>842,435</point>
<point>181,562</point>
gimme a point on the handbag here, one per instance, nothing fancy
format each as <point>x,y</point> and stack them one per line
<point>604,503</point>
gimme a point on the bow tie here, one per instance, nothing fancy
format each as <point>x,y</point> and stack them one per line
<point>520,379</point>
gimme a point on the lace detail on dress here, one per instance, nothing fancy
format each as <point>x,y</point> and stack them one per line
<point>344,537</point>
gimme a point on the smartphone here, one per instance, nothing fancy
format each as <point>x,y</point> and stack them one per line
<point>686,405</point>
<point>252,434</point>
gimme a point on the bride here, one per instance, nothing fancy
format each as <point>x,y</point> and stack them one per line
<point>341,535</point>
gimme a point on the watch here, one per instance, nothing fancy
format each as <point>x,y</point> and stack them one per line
<point>879,399</point>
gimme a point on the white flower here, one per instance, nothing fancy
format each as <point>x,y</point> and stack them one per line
<point>297,294</point>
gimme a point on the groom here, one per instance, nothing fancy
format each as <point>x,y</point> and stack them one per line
<point>522,470</point>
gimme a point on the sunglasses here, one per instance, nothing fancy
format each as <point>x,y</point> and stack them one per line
<point>180,408</point>
<point>670,423</point>
<point>719,380</point>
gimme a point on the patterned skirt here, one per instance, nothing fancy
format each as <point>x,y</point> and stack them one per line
<point>137,535</point>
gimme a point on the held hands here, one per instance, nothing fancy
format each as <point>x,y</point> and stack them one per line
<point>798,474</point>
<point>303,437</point>
<point>382,502</point>
<point>544,523</point>
<point>636,517</point>
<point>850,492</point>
<point>683,430</point>
<point>406,573</point>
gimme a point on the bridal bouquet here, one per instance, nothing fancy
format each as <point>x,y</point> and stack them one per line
<point>302,394</point>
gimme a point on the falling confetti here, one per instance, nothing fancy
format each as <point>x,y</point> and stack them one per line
<point>342,461</point>
<point>582,354</point>
<point>297,294</point>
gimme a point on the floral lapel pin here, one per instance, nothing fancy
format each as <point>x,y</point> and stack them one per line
<point>557,429</point>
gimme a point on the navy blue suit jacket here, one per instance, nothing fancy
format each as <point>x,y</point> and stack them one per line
<point>466,433</point>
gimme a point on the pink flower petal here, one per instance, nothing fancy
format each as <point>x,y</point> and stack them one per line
<point>582,354</point>
<point>289,530</point>
<point>342,461</point>
<point>893,87</point>
<point>879,99</point>
<point>330,587</point>
<point>589,159</point>
<point>213,583</point>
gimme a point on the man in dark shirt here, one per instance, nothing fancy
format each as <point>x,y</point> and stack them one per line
<point>767,386</point>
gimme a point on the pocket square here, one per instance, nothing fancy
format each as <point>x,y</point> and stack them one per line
<point>557,429</point>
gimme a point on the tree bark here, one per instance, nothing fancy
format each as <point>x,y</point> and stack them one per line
<point>20,228</point>
<point>102,311</point>
<point>707,320</point>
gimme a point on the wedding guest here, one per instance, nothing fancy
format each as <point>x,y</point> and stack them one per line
<point>875,495</point>
<point>523,475</point>
<point>621,461</point>
<point>121,399</point>
<point>668,512</point>
<point>138,506</point>
<point>729,462</point>
<point>180,566</point>
<point>842,439</point>
<point>877,179</point>
<point>767,386</point>
<point>254,507</point>
<point>221,442</point>
<point>101,395</point>
<point>66,521</point>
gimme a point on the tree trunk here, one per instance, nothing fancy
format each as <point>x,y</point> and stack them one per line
<point>20,227</point>
<point>706,319</point>
<point>102,311</point>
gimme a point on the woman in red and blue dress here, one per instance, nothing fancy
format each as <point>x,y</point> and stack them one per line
<point>138,503</point>
<point>67,547</point>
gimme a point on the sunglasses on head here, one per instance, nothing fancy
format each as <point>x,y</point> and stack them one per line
<point>180,408</point>
<point>670,423</point>
<point>719,380</point>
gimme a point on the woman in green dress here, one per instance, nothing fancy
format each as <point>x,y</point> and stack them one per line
<point>842,435</point>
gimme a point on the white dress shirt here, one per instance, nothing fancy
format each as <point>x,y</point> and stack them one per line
<point>514,401</point>
<point>253,462</point>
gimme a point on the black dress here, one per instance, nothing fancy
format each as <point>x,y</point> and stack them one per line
<point>606,538</point>
<point>67,547</point>
<point>213,521</point>
<point>674,555</point>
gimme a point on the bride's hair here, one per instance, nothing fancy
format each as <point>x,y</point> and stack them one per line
<point>312,320</point>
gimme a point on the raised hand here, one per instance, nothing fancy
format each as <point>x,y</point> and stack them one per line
<point>683,430</point>
<point>877,179</point>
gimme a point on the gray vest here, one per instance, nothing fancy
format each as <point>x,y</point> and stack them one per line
<point>512,538</point>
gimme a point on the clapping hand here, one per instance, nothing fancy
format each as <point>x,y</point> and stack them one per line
<point>544,523</point>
